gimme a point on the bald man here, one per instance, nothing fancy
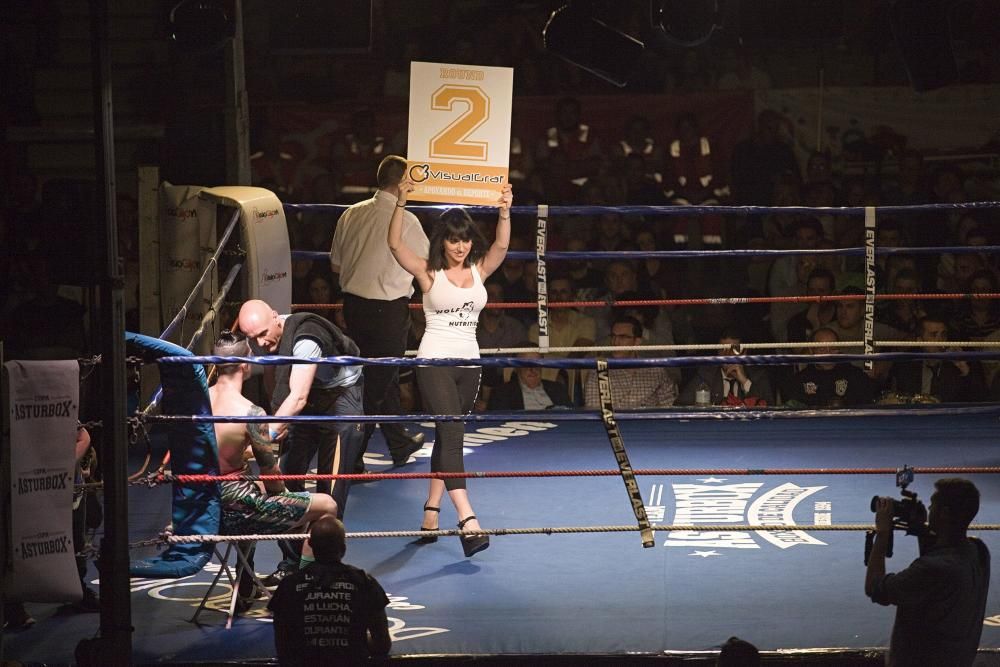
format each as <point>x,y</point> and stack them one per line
<point>309,389</point>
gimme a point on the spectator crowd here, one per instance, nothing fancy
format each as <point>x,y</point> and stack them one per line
<point>569,163</point>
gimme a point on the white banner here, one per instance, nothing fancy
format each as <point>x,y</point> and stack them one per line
<point>458,145</point>
<point>956,118</point>
<point>44,404</point>
<point>187,240</point>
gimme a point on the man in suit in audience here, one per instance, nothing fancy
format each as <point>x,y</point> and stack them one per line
<point>526,390</point>
<point>730,384</point>
<point>948,380</point>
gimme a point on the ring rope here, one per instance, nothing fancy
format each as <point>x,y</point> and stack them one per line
<point>707,301</point>
<point>986,344</point>
<point>514,419</point>
<point>527,255</point>
<point>213,309</point>
<point>557,530</point>
<point>587,364</point>
<point>209,267</point>
<point>681,210</point>
<point>621,455</point>
<point>665,472</point>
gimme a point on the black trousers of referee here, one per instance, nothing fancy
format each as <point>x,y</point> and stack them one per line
<point>380,329</point>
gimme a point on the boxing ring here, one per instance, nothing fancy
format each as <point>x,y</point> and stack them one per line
<point>603,593</point>
<point>756,519</point>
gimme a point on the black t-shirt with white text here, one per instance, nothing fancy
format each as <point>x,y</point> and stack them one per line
<point>322,614</point>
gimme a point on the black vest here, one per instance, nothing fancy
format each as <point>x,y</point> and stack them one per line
<point>332,342</point>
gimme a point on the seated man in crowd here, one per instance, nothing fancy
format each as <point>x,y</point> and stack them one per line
<point>568,327</point>
<point>903,315</point>
<point>527,390</point>
<point>730,384</point>
<point>632,388</point>
<point>253,507</point>
<point>817,314</point>
<point>948,380</point>
<point>496,330</point>
<point>849,325</point>
<point>828,385</point>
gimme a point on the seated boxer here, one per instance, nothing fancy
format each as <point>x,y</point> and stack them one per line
<point>253,507</point>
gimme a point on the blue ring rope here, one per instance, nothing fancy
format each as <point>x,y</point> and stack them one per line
<point>630,362</point>
<point>681,210</point>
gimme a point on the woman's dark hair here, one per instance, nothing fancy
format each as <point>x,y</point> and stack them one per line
<point>453,224</point>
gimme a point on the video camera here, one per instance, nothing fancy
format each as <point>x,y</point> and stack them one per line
<point>908,514</point>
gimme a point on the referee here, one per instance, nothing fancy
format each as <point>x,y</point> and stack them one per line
<point>377,294</point>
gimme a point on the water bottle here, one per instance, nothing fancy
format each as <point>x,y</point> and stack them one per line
<point>703,396</point>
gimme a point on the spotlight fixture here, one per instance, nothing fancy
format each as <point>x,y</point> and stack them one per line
<point>577,36</point>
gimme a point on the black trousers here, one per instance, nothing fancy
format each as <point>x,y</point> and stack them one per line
<point>380,329</point>
<point>319,439</point>
<point>308,439</point>
<point>448,390</point>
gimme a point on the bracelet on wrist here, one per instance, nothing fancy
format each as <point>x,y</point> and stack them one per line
<point>398,205</point>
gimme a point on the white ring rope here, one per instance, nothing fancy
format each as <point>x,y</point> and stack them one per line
<point>985,344</point>
<point>561,530</point>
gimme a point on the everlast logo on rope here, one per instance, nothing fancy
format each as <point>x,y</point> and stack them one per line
<point>33,549</point>
<point>543,296</point>
<point>53,482</point>
<point>42,410</point>
<point>869,291</point>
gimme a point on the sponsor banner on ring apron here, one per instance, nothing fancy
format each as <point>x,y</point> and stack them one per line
<point>44,405</point>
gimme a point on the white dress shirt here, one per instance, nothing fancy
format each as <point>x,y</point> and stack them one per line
<point>361,251</point>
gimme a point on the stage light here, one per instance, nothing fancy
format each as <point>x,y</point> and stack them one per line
<point>683,23</point>
<point>922,34</point>
<point>574,34</point>
<point>202,25</point>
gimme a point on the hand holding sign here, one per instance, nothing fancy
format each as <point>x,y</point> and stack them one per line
<point>406,186</point>
<point>506,200</point>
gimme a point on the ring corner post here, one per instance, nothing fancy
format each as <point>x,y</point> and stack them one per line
<point>114,647</point>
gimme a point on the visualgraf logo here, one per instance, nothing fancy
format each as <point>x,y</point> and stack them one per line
<point>714,502</point>
<point>422,172</point>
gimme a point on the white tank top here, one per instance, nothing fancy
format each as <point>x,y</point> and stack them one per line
<point>452,314</point>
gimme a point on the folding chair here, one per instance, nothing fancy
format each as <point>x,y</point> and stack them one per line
<point>242,565</point>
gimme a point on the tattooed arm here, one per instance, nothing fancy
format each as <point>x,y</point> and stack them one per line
<point>263,453</point>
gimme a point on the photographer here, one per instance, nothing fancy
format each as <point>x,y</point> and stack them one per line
<point>941,596</point>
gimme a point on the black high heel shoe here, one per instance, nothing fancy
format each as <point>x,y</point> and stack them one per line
<point>429,539</point>
<point>472,544</point>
